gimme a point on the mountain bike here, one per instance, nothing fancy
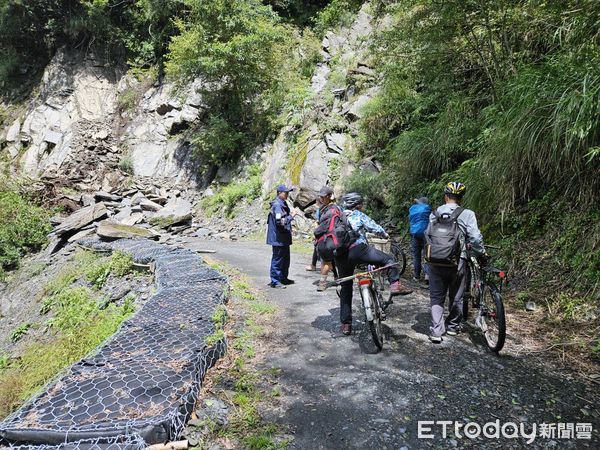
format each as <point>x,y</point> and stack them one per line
<point>371,294</point>
<point>391,248</point>
<point>484,294</point>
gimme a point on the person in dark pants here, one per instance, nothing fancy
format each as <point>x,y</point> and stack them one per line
<point>418,217</point>
<point>451,280</point>
<point>361,253</point>
<point>279,236</point>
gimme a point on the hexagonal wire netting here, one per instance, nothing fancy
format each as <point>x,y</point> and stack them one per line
<point>142,384</point>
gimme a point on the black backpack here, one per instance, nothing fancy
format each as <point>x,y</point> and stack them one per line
<point>442,239</point>
<point>334,234</point>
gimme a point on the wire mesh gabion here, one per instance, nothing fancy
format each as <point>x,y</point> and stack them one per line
<point>144,381</point>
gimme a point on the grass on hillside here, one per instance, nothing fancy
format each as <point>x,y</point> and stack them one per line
<point>228,197</point>
<point>79,324</point>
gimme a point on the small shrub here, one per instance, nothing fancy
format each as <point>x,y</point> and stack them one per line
<point>20,331</point>
<point>121,264</point>
<point>129,99</point>
<point>228,197</point>
<point>126,164</point>
<point>337,13</point>
<point>23,228</point>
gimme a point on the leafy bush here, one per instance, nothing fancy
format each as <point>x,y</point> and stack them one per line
<point>126,164</point>
<point>228,197</point>
<point>23,228</point>
<point>338,12</point>
<point>119,264</point>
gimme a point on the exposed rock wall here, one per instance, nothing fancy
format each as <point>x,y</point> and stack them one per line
<point>322,150</point>
<point>75,128</point>
<point>90,125</point>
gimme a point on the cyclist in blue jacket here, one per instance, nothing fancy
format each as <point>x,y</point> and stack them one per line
<point>418,217</point>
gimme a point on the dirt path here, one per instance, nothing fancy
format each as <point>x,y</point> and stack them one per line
<point>338,394</point>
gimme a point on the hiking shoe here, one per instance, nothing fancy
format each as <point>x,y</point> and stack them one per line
<point>287,282</point>
<point>277,285</point>
<point>322,286</point>
<point>346,329</point>
<point>396,288</point>
<point>311,268</point>
<point>435,339</point>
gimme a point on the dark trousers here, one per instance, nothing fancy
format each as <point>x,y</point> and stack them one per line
<point>446,281</point>
<point>315,257</point>
<point>360,254</point>
<point>280,263</point>
<point>417,245</point>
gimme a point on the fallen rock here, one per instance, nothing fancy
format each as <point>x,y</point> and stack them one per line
<point>336,142</point>
<point>364,70</point>
<point>80,219</point>
<point>137,198</point>
<point>13,132</point>
<point>101,195</point>
<point>133,219</point>
<point>101,135</point>
<point>177,210</point>
<point>530,306</point>
<point>13,150</point>
<point>114,230</point>
<point>53,137</point>
<point>80,235</point>
<point>149,205</point>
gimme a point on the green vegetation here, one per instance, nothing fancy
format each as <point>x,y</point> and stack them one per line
<point>228,197</point>
<point>97,271</point>
<point>20,331</point>
<point>248,320</point>
<point>80,322</point>
<point>23,227</point>
<point>502,96</point>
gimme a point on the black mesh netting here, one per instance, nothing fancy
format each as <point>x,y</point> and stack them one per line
<point>142,384</point>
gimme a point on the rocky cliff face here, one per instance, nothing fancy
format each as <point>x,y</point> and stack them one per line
<point>89,126</point>
<point>321,151</point>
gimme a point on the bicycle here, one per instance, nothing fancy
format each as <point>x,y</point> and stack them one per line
<point>371,294</point>
<point>391,248</point>
<point>485,296</point>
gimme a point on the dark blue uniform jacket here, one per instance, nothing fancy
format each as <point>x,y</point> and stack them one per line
<point>279,232</point>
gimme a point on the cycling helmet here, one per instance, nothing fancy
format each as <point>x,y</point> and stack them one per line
<point>455,188</point>
<point>352,200</point>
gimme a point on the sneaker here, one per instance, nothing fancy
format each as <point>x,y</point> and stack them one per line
<point>287,282</point>
<point>311,268</point>
<point>277,285</point>
<point>452,332</point>
<point>322,286</point>
<point>346,329</point>
<point>396,288</point>
<point>435,339</point>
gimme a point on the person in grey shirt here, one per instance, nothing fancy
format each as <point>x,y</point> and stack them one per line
<point>451,280</point>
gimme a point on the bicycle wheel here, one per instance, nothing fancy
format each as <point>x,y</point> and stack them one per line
<point>399,256</point>
<point>372,315</point>
<point>494,320</point>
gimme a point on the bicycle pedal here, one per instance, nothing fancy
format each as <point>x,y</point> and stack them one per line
<point>385,305</point>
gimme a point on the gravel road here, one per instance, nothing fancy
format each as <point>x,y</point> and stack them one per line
<point>340,394</point>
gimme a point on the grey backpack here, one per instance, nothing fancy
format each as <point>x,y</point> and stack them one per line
<point>442,239</point>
